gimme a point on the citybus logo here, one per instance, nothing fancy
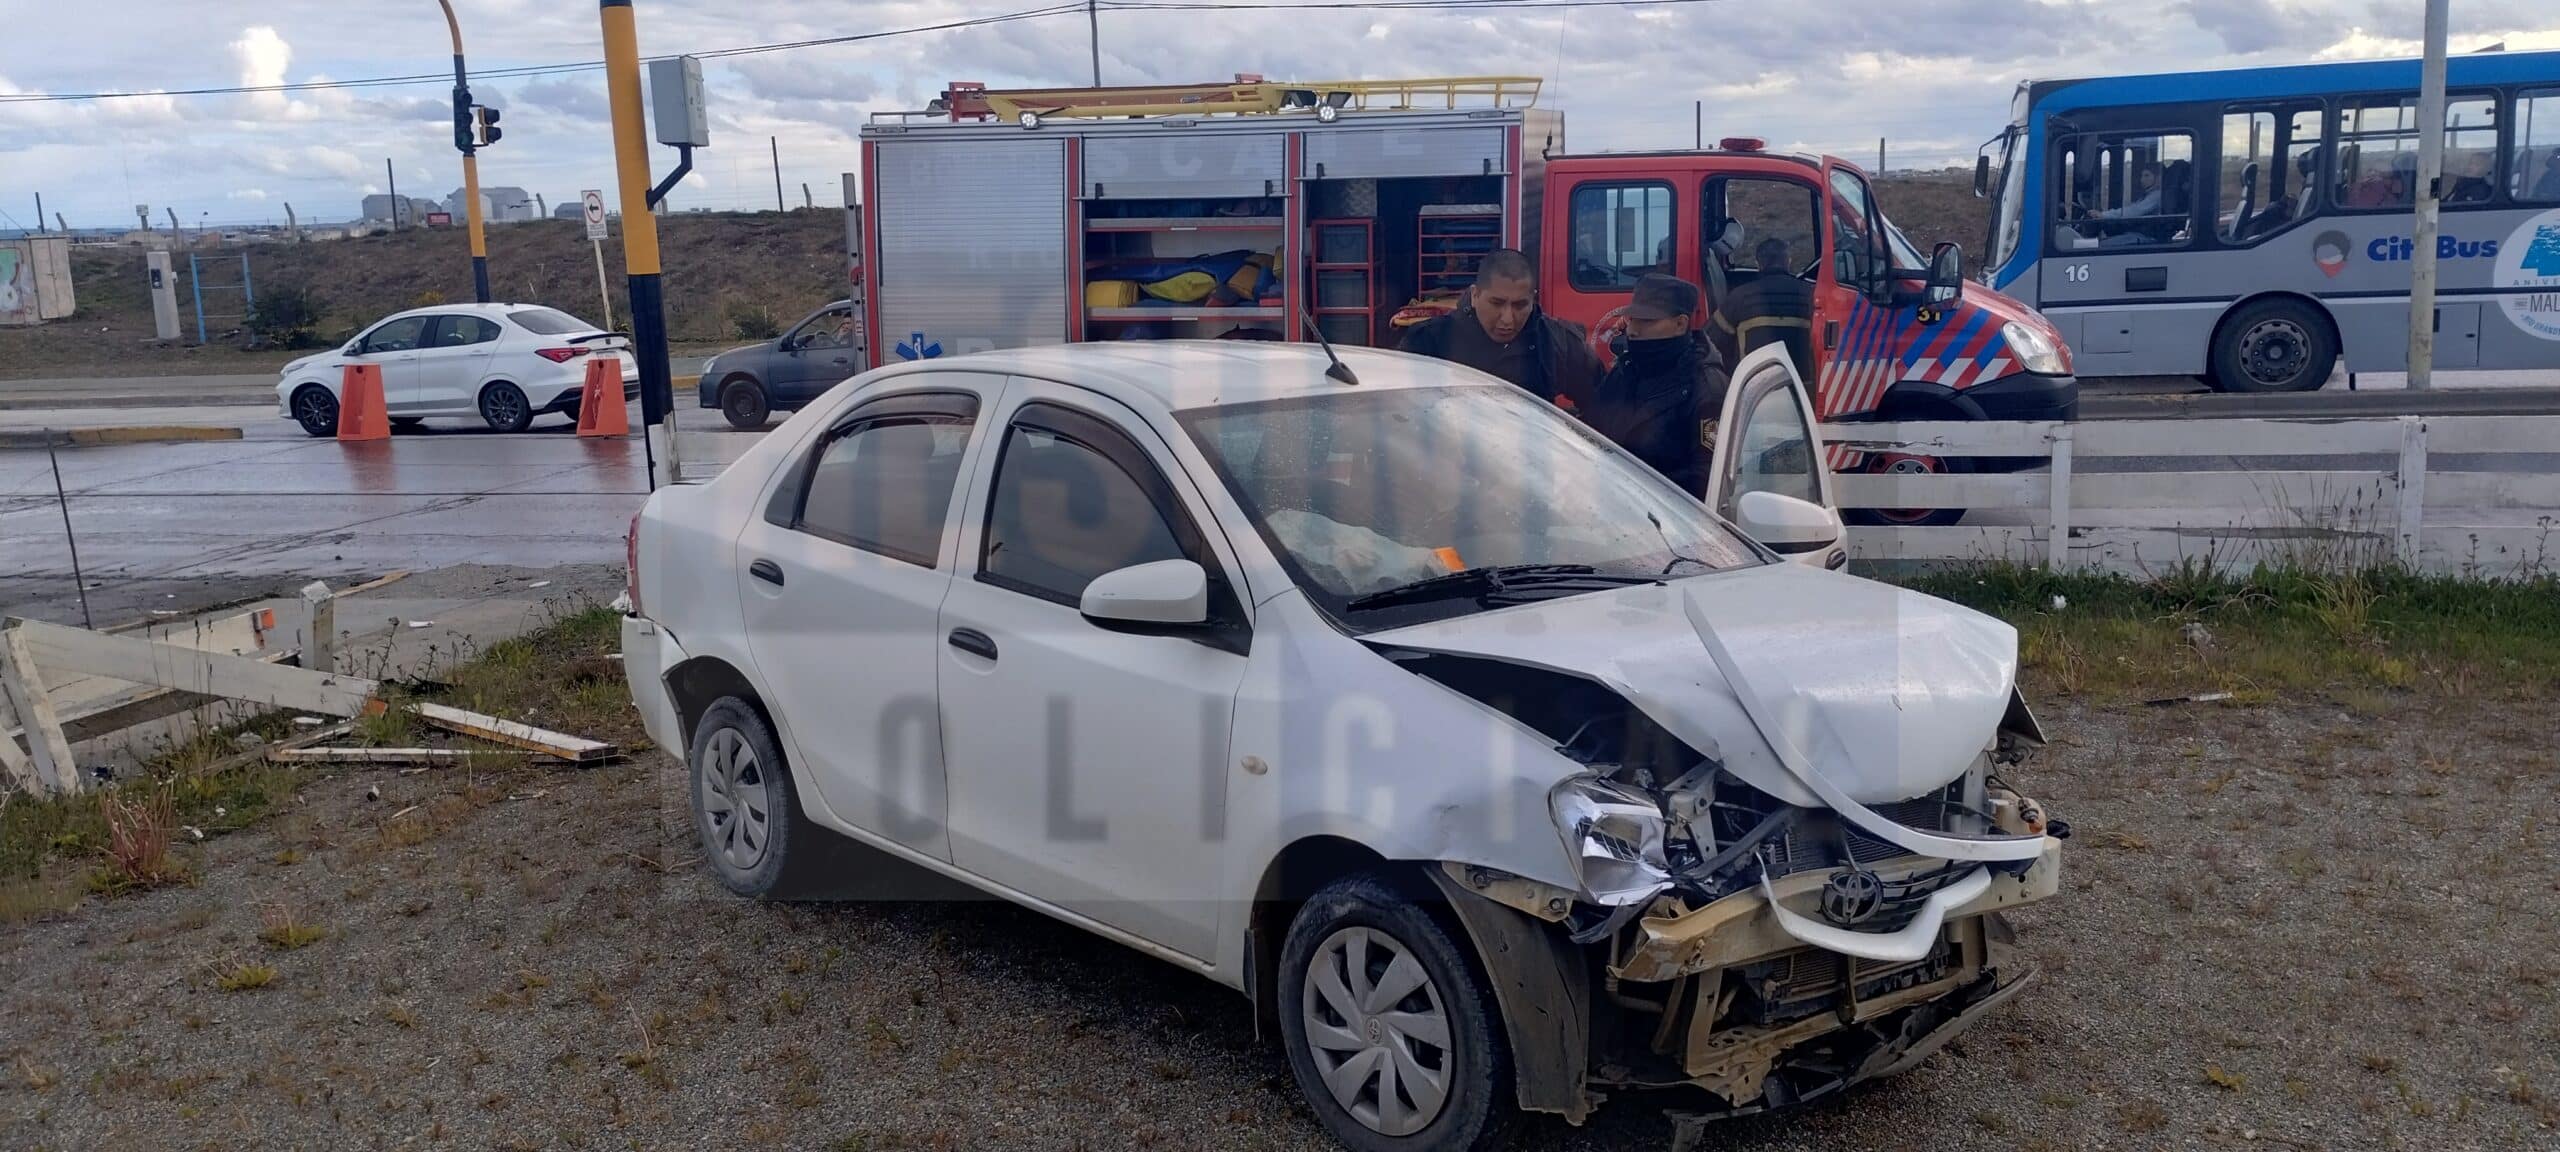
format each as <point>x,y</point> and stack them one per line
<point>2329,251</point>
<point>2387,249</point>
<point>2528,276</point>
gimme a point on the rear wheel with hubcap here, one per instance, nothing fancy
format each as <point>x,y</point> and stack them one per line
<point>2274,346</point>
<point>504,407</point>
<point>1907,464</point>
<point>1392,1035</point>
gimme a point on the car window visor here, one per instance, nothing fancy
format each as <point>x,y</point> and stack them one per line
<point>1982,849</point>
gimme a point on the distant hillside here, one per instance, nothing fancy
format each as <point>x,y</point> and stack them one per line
<point>727,277</point>
<point>724,275</point>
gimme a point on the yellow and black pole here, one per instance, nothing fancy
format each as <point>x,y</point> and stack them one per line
<point>463,139</point>
<point>639,236</point>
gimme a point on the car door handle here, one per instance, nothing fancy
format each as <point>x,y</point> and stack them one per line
<point>973,642</point>
<point>767,571</point>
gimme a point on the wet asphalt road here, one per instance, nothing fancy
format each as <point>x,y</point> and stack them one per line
<point>280,505</point>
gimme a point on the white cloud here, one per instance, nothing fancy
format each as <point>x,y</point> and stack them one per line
<point>263,57</point>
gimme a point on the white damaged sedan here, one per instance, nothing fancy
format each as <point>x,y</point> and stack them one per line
<point>1498,772</point>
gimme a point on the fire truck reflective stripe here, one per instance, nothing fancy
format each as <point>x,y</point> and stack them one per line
<point>1997,368</point>
<point>1922,367</point>
<point>1954,374</point>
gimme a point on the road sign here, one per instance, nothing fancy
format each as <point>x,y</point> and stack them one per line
<point>594,203</point>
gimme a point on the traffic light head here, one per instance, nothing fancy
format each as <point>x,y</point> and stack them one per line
<point>463,126</point>
<point>484,126</point>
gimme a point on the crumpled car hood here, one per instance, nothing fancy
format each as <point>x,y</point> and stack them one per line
<point>1886,693</point>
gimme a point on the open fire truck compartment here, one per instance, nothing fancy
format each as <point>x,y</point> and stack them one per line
<point>1082,223</point>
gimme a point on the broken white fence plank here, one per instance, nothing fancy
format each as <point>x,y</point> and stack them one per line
<point>192,670</point>
<point>2464,434</point>
<point>370,585</point>
<point>16,770</point>
<point>48,754</point>
<point>389,755</point>
<point>526,736</point>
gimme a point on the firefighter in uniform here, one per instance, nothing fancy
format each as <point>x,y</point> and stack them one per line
<point>1662,398</point>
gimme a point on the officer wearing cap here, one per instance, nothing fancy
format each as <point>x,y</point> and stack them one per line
<point>1662,398</point>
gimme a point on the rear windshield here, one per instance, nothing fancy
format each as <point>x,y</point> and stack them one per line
<point>548,321</point>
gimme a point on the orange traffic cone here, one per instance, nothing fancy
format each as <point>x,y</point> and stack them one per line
<point>600,400</point>
<point>360,412</point>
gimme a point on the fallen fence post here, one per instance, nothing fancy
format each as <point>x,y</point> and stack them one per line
<point>571,748</point>
<point>428,756</point>
<point>47,750</point>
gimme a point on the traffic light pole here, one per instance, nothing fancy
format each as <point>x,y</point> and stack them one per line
<point>470,161</point>
<point>639,236</point>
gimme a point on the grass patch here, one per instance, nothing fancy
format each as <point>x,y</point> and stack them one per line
<point>2266,631</point>
<point>245,977</point>
<point>285,932</point>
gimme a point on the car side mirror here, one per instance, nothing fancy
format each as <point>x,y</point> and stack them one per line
<point>787,344</point>
<point>1981,177</point>
<point>1786,525</point>
<point>1164,593</point>
<point>1946,275</point>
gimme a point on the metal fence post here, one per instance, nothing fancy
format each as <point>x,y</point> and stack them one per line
<point>2413,489</point>
<point>248,294</point>
<point>2057,544</point>
<point>195,281</point>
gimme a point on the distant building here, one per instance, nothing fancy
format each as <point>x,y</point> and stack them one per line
<point>499,205</point>
<point>413,209</point>
<point>573,210</point>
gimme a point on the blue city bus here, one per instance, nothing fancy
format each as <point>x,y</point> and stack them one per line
<point>2254,226</point>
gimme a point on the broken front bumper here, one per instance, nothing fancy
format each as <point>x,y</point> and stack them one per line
<point>1784,915</point>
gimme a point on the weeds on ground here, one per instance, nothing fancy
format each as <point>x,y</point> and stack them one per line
<point>141,831</point>
<point>285,932</point>
<point>2199,628</point>
<point>245,977</point>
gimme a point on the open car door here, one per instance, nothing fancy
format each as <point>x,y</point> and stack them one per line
<point>1767,474</point>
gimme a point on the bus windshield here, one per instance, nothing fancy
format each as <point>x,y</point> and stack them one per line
<point>2008,203</point>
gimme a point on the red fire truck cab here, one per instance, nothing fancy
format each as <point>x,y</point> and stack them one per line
<point>1257,210</point>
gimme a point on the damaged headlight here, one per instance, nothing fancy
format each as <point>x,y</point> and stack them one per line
<point>1613,835</point>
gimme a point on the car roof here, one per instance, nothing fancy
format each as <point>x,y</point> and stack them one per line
<point>1180,374</point>
<point>470,308</point>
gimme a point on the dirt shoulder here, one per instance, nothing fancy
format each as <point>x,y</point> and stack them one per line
<point>2317,922</point>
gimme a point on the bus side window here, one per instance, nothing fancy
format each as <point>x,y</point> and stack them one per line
<point>2270,171</point>
<point>2126,190</point>
<point>2534,168</point>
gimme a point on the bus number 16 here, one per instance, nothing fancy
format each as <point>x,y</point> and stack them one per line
<point>2076,273</point>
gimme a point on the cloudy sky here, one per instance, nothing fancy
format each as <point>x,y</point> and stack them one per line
<point>1821,75</point>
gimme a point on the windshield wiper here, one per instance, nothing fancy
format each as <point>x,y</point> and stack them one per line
<point>1501,581</point>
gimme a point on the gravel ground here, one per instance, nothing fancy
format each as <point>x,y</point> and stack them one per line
<point>2319,925</point>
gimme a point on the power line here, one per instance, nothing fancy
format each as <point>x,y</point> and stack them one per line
<point>825,41</point>
<point>533,69</point>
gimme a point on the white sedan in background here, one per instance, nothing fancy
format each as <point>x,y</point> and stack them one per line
<point>503,364</point>
<point>1407,707</point>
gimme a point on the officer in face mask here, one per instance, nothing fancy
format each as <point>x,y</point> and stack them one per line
<point>1662,398</point>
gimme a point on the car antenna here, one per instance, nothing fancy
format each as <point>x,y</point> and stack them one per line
<point>1337,370</point>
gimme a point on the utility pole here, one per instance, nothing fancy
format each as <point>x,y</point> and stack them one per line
<point>291,224</point>
<point>541,210</point>
<point>639,234</point>
<point>39,211</point>
<point>776,142</point>
<point>1698,126</point>
<point>59,222</point>
<point>2422,262</point>
<point>396,202</point>
<point>1879,155</point>
<point>462,118</point>
<point>1093,22</point>
<point>806,201</point>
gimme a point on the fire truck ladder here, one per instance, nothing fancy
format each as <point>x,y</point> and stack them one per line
<point>1248,95</point>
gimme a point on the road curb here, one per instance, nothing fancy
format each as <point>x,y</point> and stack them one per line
<point>96,437</point>
<point>41,401</point>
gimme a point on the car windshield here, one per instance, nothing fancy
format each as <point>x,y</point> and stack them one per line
<point>548,321</point>
<point>1366,493</point>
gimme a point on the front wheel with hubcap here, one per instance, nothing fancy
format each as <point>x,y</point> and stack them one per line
<point>1392,1035</point>
<point>504,407</point>
<point>743,404</point>
<point>316,410</point>
<point>2274,346</point>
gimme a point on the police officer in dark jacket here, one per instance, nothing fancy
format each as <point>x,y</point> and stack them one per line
<point>1662,399</point>
<point>1501,332</point>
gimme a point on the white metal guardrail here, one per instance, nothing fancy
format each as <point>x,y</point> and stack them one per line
<point>2441,500</point>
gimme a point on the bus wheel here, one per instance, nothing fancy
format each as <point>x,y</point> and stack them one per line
<point>2274,346</point>
<point>1905,464</point>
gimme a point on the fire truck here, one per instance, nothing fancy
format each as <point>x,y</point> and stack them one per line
<point>1268,210</point>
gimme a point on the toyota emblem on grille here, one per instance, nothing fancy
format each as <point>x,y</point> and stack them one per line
<point>1852,898</point>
